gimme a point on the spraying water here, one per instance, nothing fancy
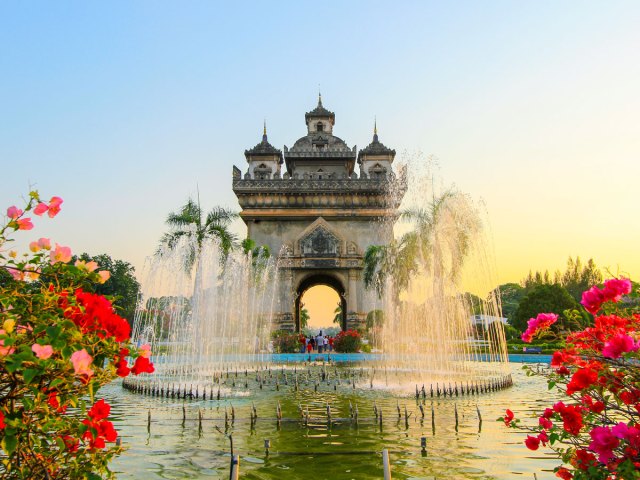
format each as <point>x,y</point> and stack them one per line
<point>202,320</point>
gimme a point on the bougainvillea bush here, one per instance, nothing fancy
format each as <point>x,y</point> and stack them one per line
<point>347,341</point>
<point>59,344</point>
<point>595,429</point>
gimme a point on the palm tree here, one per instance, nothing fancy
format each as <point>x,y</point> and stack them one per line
<point>439,242</point>
<point>189,222</point>
<point>304,317</point>
<point>337,319</point>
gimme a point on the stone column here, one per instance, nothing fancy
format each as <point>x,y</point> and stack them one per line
<point>352,299</point>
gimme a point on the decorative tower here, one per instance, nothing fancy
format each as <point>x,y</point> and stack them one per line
<point>375,159</point>
<point>264,159</point>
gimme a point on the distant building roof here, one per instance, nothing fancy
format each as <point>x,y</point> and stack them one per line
<point>487,319</point>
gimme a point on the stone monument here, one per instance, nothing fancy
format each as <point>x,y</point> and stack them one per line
<point>317,215</point>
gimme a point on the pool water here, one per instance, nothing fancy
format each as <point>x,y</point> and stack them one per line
<point>169,447</point>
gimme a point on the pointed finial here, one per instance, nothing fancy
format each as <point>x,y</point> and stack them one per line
<point>319,97</point>
<point>375,129</point>
<point>264,131</point>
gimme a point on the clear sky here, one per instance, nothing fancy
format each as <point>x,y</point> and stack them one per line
<point>125,108</point>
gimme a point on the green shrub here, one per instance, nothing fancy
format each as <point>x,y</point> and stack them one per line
<point>285,342</point>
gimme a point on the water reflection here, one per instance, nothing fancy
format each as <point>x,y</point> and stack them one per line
<point>305,445</point>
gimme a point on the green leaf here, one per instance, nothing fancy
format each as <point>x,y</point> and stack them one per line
<point>28,403</point>
<point>67,352</point>
<point>9,444</point>
<point>55,382</point>
<point>551,384</point>
<point>29,374</point>
<point>53,332</point>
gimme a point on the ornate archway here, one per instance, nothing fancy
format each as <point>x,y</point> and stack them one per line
<point>318,205</point>
<point>321,279</point>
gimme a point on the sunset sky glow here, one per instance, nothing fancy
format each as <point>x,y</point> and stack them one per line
<point>125,109</point>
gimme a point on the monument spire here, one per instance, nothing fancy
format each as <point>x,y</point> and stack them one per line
<point>375,129</point>
<point>264,131</point>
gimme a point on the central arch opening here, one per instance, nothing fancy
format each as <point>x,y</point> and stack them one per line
<point>320,304</point>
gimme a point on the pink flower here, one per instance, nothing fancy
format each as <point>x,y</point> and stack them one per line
<point>603,443</point>
<point>86,266</point>
<point>44,243</point>
<point>81,362</point>
<point>18,275</point>
<point>104,276</point>
<point>54,206</point>
<point>541,322</point>
<point>24,224</point>
<point>145,351</point>
<point>615,288</point>
<point>14,212</point>
<point>625,432</point>
<point>34,247</point>
<point>592,300</point>
<point>42,351</point>
<point>619,344</point>
<point>4,351</point>
<point>40,209</point>
<point>60,254</point>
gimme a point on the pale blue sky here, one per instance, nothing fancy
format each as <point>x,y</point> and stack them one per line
<point>122,108</point>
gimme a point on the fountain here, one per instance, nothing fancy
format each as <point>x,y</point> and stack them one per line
<point>202,320</point>
<point>209,325</point>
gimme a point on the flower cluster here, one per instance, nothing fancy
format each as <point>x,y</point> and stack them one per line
<point>535,325</point>
<point>59,343</point>
<point>597,432</point>
<point>612,291</point>
<point>347,341</point>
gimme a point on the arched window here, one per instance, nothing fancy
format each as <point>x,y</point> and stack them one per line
<point>319,127</point>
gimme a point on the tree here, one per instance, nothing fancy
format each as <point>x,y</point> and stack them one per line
<point>337,319</point>
<point>549,299</point>
<point>576,277</point>
<point>510,295</point>
<point>259,255</point>
<point>190,222</point>
<point>122,285</point>
<point>304,317</point>
<point>439,243</point>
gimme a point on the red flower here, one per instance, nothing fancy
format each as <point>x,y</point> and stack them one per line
<point>142,365</point>
<point>564,474</point>
<point>583,459</point>
<point>583,378</point>
<point>122,369</point>
<point>97,315</point>
<point>99,410</point>
<point>532,443</point>
<point>2,424</point>
<point>545,423</point>
<point>106,430</point>
<point>508,417</point>
<point>571,417</point>
<point>597,407</point>
<point>71,443</point>
<point>55,403</point>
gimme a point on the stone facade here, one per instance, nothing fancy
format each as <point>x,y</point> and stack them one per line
<point>319,216</point>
